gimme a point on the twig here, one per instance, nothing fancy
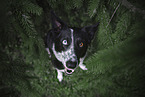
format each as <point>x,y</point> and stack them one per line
<point>113,14</point>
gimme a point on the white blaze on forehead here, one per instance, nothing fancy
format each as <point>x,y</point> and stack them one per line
<point>64,56</point>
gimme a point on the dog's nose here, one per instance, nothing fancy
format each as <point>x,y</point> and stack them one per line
<point>71,64</point>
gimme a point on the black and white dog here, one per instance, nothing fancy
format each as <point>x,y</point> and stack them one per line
<point>68,46</point>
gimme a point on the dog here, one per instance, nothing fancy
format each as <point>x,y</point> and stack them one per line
<point>67,46</point>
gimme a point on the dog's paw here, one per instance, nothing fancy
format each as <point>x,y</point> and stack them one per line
<point>59,76</point>
<point>82,66</point>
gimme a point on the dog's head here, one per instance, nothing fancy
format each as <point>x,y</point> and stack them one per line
<point>70,44</point>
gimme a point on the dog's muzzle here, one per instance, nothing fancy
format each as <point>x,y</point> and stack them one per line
<point>70,66</point>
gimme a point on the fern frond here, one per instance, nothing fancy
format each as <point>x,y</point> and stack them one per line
<point>121,32</point>
<point>93,6</point>
<point>104,33</point>
<point>29,7</point>
<point>69,4</point>
<point>77,3</point>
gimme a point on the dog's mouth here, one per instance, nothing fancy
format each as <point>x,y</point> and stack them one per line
<point>69,71</point>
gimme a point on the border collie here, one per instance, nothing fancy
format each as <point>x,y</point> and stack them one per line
<point>67,46</point>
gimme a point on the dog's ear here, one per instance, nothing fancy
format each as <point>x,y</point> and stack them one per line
<point>56,22</point>
<point>90,30</point>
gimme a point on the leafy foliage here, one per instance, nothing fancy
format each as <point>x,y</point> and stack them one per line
<point>115,60</point>
<point>93,6</point>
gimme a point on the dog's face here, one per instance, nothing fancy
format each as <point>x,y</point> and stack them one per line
<point>70,44</point>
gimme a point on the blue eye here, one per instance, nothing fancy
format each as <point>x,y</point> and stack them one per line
<point>64,42</point>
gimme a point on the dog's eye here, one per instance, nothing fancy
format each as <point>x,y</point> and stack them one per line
<point>81,44</point>
<point>64,42</point>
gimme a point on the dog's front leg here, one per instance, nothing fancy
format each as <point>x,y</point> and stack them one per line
<point>60,75</point>
<point>81,65</point>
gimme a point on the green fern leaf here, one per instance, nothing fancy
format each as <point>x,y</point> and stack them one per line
<point>32,8</point>
<point>93,6</point>
<point>77,3</point>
